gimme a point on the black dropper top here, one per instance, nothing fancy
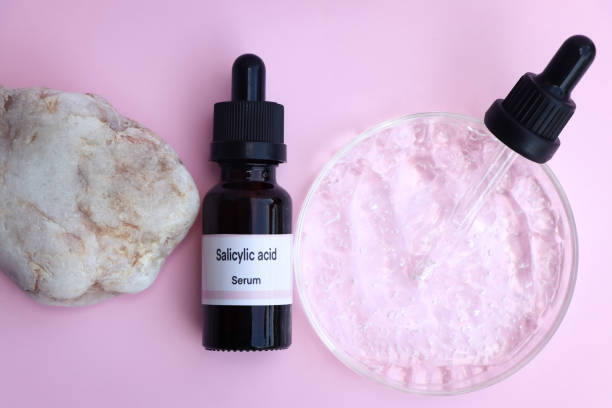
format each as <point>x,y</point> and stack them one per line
<point>535,111</point>
<point>249,79</point>
<point>248,128</point>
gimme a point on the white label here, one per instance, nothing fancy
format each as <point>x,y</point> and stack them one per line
<point>247,270</point>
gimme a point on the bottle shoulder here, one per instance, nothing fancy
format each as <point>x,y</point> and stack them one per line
<point>250,189</point>
<point>230,210</point>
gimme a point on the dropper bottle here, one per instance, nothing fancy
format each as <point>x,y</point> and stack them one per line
<point>527,123</point>
<point>247,277</point>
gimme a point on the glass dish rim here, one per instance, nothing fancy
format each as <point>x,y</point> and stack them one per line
<point>353,364</point>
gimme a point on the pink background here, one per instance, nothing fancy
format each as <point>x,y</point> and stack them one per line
<point>338,67</point>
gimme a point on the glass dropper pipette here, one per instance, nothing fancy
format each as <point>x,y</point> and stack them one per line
<point>527,123</point>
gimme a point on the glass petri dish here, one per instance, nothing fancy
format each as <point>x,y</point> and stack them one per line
<point>492,304</point>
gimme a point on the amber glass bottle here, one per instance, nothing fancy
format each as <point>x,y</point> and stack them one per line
<point>246,260</point>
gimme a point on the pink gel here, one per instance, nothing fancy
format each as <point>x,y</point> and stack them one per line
<point>486,307</point>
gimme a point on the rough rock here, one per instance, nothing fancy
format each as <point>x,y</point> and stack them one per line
<point>91,203</point>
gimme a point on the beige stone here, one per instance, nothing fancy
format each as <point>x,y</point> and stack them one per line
<point>91,203</point>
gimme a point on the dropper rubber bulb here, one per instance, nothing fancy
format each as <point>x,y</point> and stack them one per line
<point>567,66</point>
<point>248,79</point>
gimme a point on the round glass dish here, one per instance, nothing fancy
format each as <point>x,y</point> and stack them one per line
<point>478,318</point>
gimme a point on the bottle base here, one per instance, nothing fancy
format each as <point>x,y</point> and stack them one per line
<point>247,350</point>
<point>246,328</point>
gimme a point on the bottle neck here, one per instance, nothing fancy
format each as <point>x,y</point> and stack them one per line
<point>241,172</point>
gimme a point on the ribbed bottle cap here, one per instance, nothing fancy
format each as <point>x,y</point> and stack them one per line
<point>248,127</point>
<point>535,111</point>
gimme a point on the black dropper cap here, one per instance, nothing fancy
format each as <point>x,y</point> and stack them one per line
<point>248,127</point>
<point>535,111</point>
